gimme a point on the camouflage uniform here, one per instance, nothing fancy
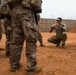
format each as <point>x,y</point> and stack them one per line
<point>8,31</point>
<point>39,34</point>
<point>7,24</point>
<point>60,34</point>
<point>24,28</point>
<point>0,27</point>
<point>0,24</point>
<point>40,38</point>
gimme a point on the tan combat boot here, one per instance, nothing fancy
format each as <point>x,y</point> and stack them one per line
<point>17,67</point>
<point>63,44</point>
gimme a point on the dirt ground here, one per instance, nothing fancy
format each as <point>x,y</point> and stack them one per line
<point>73,29</point>
<point>53,60</point>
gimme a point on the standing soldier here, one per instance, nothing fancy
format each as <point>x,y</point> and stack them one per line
<point>0,27</point>
<point>1,33</point>
<point>24,28</point>
<point>61,35</point>
<point>8,26</point>
<point>39,34</point>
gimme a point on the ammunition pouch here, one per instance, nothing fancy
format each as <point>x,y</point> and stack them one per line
<point>4,9</point>
<point>26,3</point>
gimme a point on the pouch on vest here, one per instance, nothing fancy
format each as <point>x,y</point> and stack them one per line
<point>26,3</point>
<point>4,9</point>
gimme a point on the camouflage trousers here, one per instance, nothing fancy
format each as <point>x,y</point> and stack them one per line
<point>57,40</point>
<point>40,37</point>
<point>24,28</point>
<point>8,32</point>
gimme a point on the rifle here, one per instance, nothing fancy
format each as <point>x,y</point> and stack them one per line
<point>35,14</point>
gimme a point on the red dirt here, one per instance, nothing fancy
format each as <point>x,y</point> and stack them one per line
<point>73,29</point>
<point>52,59</point>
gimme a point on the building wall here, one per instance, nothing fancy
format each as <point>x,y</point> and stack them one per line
<point>46,24</point>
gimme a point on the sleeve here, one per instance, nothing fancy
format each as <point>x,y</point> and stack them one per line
<point>63,27</point>
<point>52,28</point>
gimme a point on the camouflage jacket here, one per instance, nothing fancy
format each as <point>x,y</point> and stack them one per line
<point>59,29</point>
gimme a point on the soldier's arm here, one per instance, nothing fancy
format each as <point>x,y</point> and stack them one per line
<point>52,28</point>
<point>63,27</point>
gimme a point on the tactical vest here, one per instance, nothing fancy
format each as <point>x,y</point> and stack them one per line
<point>36,4</point>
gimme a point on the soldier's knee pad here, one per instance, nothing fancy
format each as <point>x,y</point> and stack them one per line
<point>49,40</point>
<point>64,36</point>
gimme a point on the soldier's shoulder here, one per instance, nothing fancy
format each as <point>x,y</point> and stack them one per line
<point>63,24</point>
<point>54,24</point>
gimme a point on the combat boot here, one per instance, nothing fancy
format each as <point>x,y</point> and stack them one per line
<point>58,44</point>
<point>63,44</point>
<point>17,67</point>
<point>42,45</point>
<point>34,72</point>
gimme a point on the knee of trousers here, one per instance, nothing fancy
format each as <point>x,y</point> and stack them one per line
<point>64,33</point>
<point>17,41</point>
<point>32,38</point>
<point>49,40</point>
<point>64,36</point>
